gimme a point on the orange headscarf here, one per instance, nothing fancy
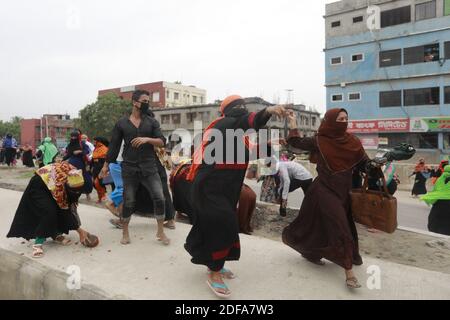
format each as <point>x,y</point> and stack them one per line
<point>340,149</point>
<point>100,151</point>
<point>198,154</point>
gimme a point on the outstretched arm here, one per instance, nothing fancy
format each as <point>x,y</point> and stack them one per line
<point>257,120</point>
<point>295,137</point>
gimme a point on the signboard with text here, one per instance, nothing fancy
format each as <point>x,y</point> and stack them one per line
<point>430,124</point>
<point>382,125</point>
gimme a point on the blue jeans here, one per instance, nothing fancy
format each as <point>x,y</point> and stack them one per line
<point>116,196</point>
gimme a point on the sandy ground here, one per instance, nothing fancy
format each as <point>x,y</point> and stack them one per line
<point>403,247</point>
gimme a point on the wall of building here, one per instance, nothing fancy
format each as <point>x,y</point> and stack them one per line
<point>175,118</point>
<point>187,95</point>
<point>30,132</point>
<point>368,78</point>
<point>344,11</point>
<point>127,92</point>
<point>369,69</point>
<point>33,131</point>
<point>369,105</point>
<point>162,94</point>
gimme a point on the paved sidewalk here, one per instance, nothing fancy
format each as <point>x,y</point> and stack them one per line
<point>146,269</point>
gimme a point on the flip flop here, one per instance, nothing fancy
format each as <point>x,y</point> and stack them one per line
<point>352,283</point>
<point>227,274</point>
<point>37,251</point>
<point>216,285</point>
<point>116,224</point>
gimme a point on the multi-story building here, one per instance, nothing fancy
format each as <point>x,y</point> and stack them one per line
<point>163,94</point>
<point>56,126</point>
<point>184,118</point>
<point>387,64</point>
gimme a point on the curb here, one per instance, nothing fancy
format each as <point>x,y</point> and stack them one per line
<point>21,278</point>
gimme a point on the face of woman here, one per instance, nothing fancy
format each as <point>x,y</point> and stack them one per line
<point>342,117</point>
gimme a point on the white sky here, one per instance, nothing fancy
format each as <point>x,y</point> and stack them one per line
<point>56,54</point>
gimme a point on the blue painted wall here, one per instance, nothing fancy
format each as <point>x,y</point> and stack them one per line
<point>376,79</point>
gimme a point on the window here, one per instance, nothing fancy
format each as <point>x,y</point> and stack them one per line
<point>204,116</point>
<point>167,94</point>
<point>428,141</point>
<point>446,141</point>
<point>336,97</point>
<point>447,8</point>
<point>191,116</point>
<point>357,57</point>
<point>390,98</point>
<point>428,53</point>
<point>358,19</point>
<point>447,50</point>
<point>336,24</point>
<point>201,100</point>
<point>395,16</point>
<point>420,97</point>
<point>426,10</point>
<point>354,96</point>
<point>176,96</point>
<point>447,95</point>
<point>194,99</point>
<point>176,118</point>
<point>336,60</point>
<point>390,58</point>
<point>165,119</point>
<point>418,140</point>
<point>155,97</point>
<point>314,120</point>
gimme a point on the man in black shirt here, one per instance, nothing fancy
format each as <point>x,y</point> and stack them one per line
<point>140,134</point>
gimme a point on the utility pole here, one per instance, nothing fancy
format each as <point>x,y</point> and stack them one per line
<point>288,102</point>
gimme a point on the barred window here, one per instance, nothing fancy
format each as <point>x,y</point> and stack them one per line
<point>423,96</point>
<point>391,58</point>
<point>390,99</point>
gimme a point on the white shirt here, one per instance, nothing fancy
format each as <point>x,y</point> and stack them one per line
<point>119,157</point>
<point>91,149</point>
<point>289,171</point>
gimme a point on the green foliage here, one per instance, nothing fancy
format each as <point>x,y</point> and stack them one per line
<point>12,126</point>
<point>99,118</point>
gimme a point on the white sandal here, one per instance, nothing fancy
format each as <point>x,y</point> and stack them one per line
<point>38,252</point>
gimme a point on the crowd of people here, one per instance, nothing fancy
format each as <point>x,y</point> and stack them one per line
<point>211,195</point>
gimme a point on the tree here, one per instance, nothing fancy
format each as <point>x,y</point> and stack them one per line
<point>12,127</point>
<point>98,119</point>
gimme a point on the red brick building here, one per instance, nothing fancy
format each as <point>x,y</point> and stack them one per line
<point>56,126</point>
<point>163,94</point>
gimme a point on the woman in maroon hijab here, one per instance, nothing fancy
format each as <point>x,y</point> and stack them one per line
<point>324,227</point>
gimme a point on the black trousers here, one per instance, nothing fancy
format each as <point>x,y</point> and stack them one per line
<point>151,182</point>
<point>304,184</point>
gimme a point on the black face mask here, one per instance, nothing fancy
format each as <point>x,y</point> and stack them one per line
<point>144,108</point>
<point>236,112</point>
